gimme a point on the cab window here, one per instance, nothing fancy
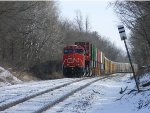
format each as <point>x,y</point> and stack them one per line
<point>66,51</point>
<point>80,51</point>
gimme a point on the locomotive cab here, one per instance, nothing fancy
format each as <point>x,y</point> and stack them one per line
<point>73,61</point>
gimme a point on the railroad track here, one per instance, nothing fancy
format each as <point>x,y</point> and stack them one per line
<point>41,101</point>
<point>8,100</point>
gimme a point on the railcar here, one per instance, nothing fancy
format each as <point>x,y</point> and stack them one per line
<point>106,64</point>
<point>102,63</point>
<point>124,67</point>
<point>113,67</point>
<point>94,59</point>
<point>87,49</point>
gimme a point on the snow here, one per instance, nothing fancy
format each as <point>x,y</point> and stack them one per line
<point>6,78</point>
<point>47,98</point>
<point>145,78</point>
<point>102,97</point>
<point>16,92</point>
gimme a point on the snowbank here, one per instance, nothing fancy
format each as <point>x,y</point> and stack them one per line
<point>145,78</point>
<point>6,78</point>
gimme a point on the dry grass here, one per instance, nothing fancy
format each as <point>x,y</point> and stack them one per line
<point>25,76</point>
<point>143,70</point>
<point>54,75</point>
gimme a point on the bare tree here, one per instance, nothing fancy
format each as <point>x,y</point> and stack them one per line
<point>132,13</point>
<point>79,20</point>
<point>87,24</point>
<point>30,32</point>
<point>135,15</point>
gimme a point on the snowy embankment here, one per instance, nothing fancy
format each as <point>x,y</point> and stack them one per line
<point>6,78</point>
<point>104,96</point>
<point>144,79</point>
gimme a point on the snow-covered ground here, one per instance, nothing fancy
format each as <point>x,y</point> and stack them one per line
<point>37,103</point>
<point>6,78</point>
<point>16,92</point>
<point>104,97</point>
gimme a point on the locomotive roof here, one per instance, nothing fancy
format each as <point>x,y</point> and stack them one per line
<point>73,47</point>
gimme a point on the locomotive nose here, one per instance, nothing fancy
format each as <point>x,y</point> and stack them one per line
<point>71,56</point>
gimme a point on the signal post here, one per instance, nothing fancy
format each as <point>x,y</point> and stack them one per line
<point>124,37</point>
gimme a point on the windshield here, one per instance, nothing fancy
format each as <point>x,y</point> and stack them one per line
<point>79,51</point>
<point>66,51</point>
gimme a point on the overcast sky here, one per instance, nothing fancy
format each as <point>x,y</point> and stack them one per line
<point>102,19</point>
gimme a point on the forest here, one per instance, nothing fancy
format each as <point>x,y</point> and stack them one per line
<point>135,15</point>
<point>33,35</point>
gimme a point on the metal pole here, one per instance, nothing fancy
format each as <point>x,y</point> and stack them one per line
<point>131,66</point>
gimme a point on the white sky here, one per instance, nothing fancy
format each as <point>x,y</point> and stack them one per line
<point>102,19</point>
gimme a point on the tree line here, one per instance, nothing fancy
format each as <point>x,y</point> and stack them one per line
<point>32,36</point>
<point>135,15</point>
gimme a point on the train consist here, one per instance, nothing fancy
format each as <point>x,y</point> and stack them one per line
<point>84,58</point>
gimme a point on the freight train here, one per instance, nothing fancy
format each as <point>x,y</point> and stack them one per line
<point>84,58</point>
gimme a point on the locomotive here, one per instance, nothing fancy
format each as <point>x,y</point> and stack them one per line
<point>73,61</point>
<point>84,59</point>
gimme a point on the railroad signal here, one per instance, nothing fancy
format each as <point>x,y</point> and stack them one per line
<point>124,37</point>
<point>122,32</point>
